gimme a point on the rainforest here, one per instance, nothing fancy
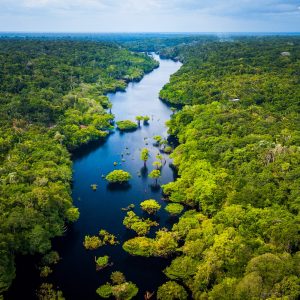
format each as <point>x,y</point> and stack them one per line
<point>149,166</point>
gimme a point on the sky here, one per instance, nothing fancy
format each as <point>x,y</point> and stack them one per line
<point>150,15</point>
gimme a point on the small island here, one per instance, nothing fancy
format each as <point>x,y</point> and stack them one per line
<point>126,125</point>
<point>118,176</point>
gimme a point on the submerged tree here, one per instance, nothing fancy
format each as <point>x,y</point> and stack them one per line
<point>151,206</point>
<point>101,262</point>
<point>157,165</point>
<point>126,125</point>
<point>118,176</point>
<point>157,139</point>
<point>155,174</point>
<point>137,224</point>
<point>144,155</point>
<point>48,292</point>
<point>159,157</point>
<point>139,119</point>
<point>119,288</point>
<point>92,242</point>
<point>146,120</point>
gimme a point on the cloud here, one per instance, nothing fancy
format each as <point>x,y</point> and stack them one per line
<point>212,7</point>
<point>147,15</point>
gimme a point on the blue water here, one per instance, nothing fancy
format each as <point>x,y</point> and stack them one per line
<point>76,275</point>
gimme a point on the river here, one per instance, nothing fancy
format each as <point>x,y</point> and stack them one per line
<point>75,274</point>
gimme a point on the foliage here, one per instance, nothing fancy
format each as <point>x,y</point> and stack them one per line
<point>238,164</point>
<point>102,262</point>
<point>117,277</point>
<point>155,174</point>
<point>139,119</point>
<point>171,291</point>
<point>164,244</point>
<point>157,165</point>
<point>146,120</point>
<point>168,149</point>
<point>92,242</point>
<point>140,226</point>
<point>72,214</point>
<point>118,176</point>
<point>50,258</point>
<point>45,271</point>
<point>174,209</point>
<point>126,125</point>
<point>47,292</point>
<point>144,155</point>
<point>151,206</point>
<point>120,289</point>
<point>107,238</point>
<point>157,139</point>
<point>104,291</point>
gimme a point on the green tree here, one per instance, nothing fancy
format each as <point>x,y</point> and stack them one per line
<point>126,125</point>
<point>118,176</point>
<point>91,242</point>
<point>139,119</point>
<point>157,165</point>
<point>171,291</point>
<point>151,206</point>
<point>155,174</point>
<point>144,155</point>
<point>174,209</point>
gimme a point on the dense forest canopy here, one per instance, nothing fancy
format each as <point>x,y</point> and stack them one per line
<point>238,158</point>
<point>239,168</point>
<point>52,98</point>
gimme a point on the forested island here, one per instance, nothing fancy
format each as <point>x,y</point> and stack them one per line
<point>233,208</point>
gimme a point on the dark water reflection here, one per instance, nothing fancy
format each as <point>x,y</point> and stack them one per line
<point>76,275</point>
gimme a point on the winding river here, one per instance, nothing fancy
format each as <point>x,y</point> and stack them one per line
<point>75,274</point>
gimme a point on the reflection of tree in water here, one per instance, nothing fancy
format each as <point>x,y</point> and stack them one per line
<point>118,186</point>
<point>144,172</point>
<point>154,187</point>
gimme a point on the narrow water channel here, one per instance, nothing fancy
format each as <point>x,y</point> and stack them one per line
<point>76,274</point>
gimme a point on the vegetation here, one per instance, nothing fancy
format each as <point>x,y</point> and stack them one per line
<point>129,207</point>
<point>238,164</point>
<point>140,226</point>
<point>102,262</point>
<point>157,165</point>
<point>45,271</point>
<point>120,289</point>
<point>144,155</point>
<point>157,139</point>
<point>94,187</point>
<point>163,245</point>
<point>171,291</point>
<point>107,238</point>
<point>92,242</point>
<point>139,119</point>
<point>155,174</point>
<point>52,95</point>
<point>146,120</point>
<point>126,125</point>
<point>151,206</point>
<point>47,292</point>
<point>118,176</point>
<point>174,209</point>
